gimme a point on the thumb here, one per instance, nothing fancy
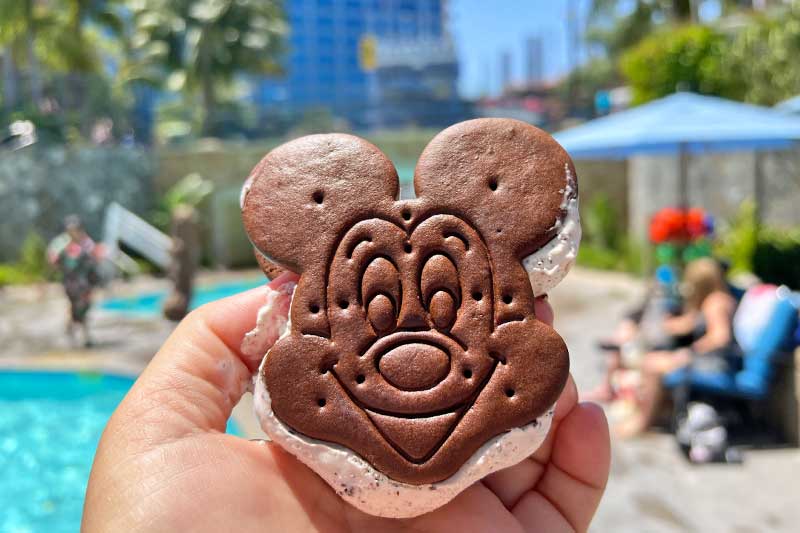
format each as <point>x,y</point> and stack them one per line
<point>200,373</point>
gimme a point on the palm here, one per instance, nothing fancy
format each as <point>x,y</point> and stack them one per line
<point>165,464</point>
<point>200,46</point>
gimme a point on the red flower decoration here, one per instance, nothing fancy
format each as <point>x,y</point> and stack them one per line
<point>696,223</point>
<point>73,250</point>
<point>672,224</point>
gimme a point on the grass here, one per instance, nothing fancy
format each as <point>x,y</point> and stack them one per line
<point>14,274</point>
<point>627,259</point>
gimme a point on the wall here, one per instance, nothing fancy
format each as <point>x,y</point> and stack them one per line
<point>228,164</point>
<point>718,183</point>
<point>41,185</point>
<point>609,178</point>
<point>222,163</point>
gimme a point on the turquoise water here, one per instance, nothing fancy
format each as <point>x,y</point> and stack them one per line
<point>405,171</point>
<point>50,424</point>
<point>150,303</point>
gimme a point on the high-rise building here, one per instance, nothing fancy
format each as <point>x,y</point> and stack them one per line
<point>505,70</point>
<point>534,59</point>
<point>354,57</point>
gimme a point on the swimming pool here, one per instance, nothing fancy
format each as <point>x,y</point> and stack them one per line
<point>150,303</point>
<point>50,423</point>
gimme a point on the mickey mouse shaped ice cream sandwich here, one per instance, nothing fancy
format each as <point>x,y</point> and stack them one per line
<point>414,364</point>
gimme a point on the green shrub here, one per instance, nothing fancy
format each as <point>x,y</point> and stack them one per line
<point>12,274</point>
<point>596,257</point>
<point>605,245</point>
<point>776,257</point>
<point>737,244</point>
<point>601,223</point>
<point>632,256</point>
<point>689,58</point>
<point>193,189</point>
<point>771,254</point>
<point>32,265</point>
<point>626,258</point>
<point>33,257</point>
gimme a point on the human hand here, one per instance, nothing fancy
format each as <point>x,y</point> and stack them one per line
<point>164,462</point>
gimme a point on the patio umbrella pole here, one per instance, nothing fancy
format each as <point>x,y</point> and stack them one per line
<point>758,187</point>
<point>683,186</point>
<point>683,176</point>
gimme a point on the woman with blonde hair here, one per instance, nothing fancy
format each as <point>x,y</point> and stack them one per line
<point>707,317</point>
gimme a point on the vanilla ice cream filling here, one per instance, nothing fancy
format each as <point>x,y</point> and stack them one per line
<point>547,266</point>
<point>371,491</point>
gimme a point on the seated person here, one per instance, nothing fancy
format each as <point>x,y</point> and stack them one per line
<point>708,316</point>
<point>649,327</point>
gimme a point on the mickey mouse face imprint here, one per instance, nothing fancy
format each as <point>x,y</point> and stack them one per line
<point>413,336</point>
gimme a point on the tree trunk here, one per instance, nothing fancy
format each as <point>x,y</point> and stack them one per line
<point>9,80</point>
<point>682,9</point>
<point>209,103</point>
<point>34,76</point>
<point>183,263</point>
<point>33,67</point>
<point>82,82</point>
<point>208,95</point>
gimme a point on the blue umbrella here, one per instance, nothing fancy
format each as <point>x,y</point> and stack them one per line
<point>683,124</point>
<point>792,105</point>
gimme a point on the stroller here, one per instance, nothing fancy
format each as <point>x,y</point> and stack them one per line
<point>707,403</point>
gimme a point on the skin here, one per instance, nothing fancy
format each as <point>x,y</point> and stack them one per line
<point>717,310</point>
<point>625,331</point>
<point>164,462</point>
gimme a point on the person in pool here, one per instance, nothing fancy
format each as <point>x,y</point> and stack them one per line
<point>75,255</point>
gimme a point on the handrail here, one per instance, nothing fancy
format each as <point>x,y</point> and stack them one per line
<point>123,226</point>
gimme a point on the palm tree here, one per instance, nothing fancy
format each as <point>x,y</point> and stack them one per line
<point>198,46</point>
<point>683,9</point>
<point>618,33</point>
<point>33,32</point>
<point>19,26</point>
<point>9,80</point>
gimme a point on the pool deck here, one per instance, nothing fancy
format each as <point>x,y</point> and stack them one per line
<point>652,488</point>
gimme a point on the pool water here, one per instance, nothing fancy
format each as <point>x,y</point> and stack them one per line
<point>50,424</point>
<point>150,303</point>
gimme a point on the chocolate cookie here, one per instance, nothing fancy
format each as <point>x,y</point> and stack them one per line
<point>413,336</point>
<point>270,269</point>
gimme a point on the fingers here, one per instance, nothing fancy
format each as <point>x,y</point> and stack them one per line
<point>586,460</point>
<point>272,320</point>
<point>510,484</point>
<point>199,374</point>
<point>543,309</point>
<point>575,478</point>
<point>566,403</point>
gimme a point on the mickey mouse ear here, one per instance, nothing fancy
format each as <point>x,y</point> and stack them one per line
<point>507,177</point>
<point>299,197</point>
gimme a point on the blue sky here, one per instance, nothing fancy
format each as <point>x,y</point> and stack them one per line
<point>483,29</point>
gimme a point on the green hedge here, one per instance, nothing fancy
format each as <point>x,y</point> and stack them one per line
<point>772,254</point>
<point>776,258</point>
